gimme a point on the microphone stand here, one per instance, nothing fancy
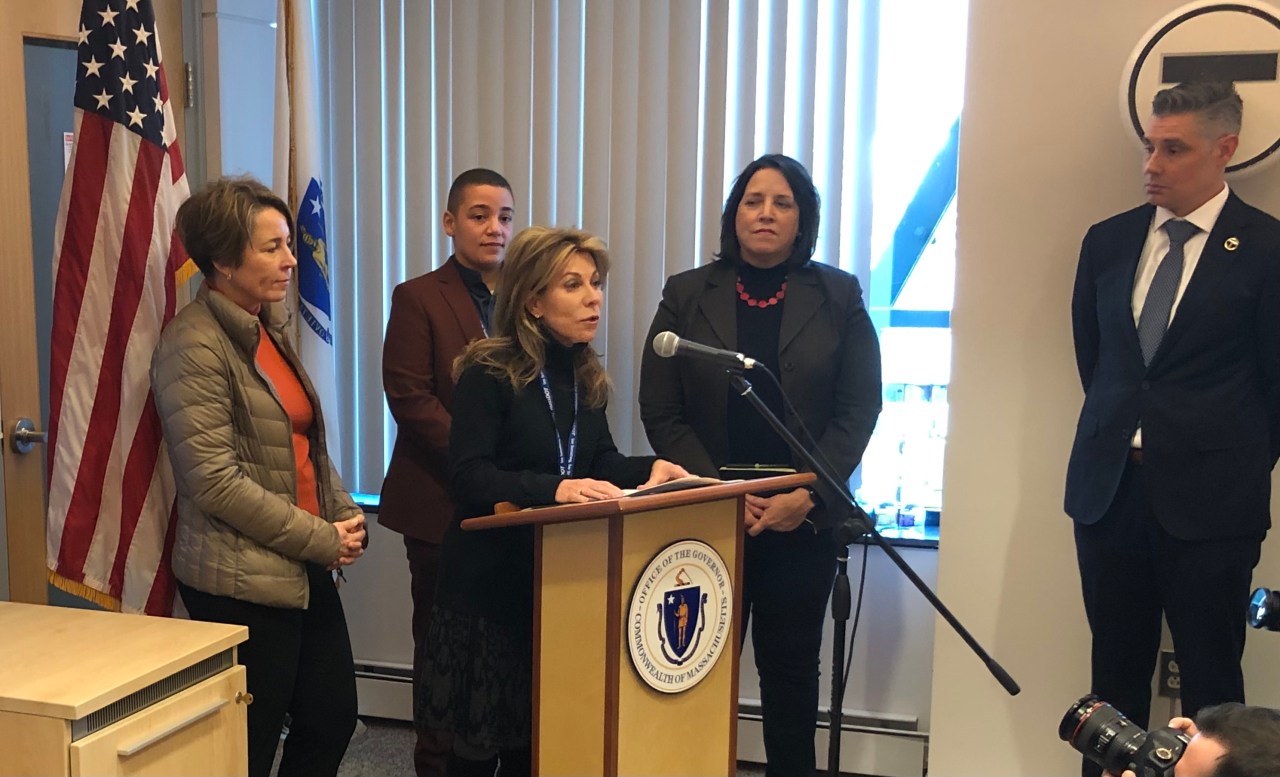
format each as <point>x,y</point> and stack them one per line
<point>855,524</point>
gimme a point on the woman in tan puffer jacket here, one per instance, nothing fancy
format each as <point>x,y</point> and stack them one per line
<point>263,518</point>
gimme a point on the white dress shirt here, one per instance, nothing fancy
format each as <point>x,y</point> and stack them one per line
<point>1157,245</point>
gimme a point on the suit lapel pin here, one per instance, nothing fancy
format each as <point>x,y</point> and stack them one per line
<point>1231,244</point>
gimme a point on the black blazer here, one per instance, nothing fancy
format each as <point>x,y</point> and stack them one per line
<point>1209,404</point>
<point>828,354</point>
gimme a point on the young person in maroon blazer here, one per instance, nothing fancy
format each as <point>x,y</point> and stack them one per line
<point>433,317</point>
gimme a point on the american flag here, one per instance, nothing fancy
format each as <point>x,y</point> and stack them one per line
<point>116,267</point>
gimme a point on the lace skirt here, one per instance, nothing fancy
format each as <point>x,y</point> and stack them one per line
<point>476,680</point>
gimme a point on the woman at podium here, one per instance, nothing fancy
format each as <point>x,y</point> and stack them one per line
<point>805,321</point>
<point>529,427</point>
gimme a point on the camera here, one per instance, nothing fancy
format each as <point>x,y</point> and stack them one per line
<point>1105,736</point>
<point>1264,609</point>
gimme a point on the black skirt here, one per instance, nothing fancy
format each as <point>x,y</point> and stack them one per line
<point>477,676</point>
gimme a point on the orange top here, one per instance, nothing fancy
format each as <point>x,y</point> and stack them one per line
<point>298,407</point>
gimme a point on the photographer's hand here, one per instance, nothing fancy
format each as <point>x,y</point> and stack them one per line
<point>1185,725</point>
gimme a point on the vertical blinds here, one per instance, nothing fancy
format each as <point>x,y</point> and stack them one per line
<point>629,119</point>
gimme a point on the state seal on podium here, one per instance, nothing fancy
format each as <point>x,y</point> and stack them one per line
<point>681,616</point>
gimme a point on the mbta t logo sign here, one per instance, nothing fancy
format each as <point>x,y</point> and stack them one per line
<point>1213,41</point>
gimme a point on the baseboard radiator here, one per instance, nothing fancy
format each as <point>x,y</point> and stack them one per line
<point>385,690</point>
<point>872,743</point>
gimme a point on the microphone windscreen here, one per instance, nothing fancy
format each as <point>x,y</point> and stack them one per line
<point>665,344</point>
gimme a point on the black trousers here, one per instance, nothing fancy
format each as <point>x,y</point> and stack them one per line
<point>297,662</point>
<point>787,583</point>
<point>432,748</point>
<point>1131,572</point>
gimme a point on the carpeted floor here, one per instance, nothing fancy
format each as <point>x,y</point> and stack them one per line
<point>380,748</point>
<point>384,748</point>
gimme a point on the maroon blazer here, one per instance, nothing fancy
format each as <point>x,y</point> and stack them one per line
<point>432,319</point>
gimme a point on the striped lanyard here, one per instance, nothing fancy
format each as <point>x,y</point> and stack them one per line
<point>566,461</point>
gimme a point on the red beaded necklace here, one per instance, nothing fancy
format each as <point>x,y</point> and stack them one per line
<point>761,303</point>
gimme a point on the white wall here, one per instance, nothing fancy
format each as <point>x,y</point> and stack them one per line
<point>1043,154</point>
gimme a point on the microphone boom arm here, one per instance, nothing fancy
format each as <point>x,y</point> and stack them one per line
<point>862,525</point>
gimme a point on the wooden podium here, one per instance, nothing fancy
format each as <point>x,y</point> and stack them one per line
<point>593,711</point>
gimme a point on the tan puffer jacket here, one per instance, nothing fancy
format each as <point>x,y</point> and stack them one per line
<point>240,532</point>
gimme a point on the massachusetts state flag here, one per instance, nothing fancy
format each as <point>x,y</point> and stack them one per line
<point>299,180</point>
<point>116,262</point>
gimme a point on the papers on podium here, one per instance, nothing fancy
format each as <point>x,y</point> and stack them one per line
<point>679,484</point>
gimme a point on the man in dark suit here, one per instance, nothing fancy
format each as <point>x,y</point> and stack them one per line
<point>1176,317</point>
<point>433,317</point>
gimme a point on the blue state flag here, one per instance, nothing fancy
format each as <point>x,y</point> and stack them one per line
<point>299,179</point>
<point>313,266</point>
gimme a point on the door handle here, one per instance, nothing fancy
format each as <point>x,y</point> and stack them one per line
<point>24,436</point>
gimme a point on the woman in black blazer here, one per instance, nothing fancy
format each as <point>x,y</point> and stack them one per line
<point>807,323</point>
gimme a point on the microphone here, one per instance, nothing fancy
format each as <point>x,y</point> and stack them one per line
<point>668,344</point>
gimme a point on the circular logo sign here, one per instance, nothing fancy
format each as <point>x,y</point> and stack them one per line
<point>681,616</point>
<point>1213,41</point>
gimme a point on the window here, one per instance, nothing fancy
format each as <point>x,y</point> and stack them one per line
<point>631,120</point>
<point>912,279</point>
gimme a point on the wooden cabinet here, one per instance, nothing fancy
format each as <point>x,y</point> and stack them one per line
<point>95,693</point>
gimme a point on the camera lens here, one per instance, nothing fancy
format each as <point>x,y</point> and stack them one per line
<point>1264,610</point>
<point>1100,733</point>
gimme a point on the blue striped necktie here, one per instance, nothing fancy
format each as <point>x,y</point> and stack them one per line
<point>1154,319</point>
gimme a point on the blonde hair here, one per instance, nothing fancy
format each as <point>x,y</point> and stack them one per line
<point>517,347</point>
